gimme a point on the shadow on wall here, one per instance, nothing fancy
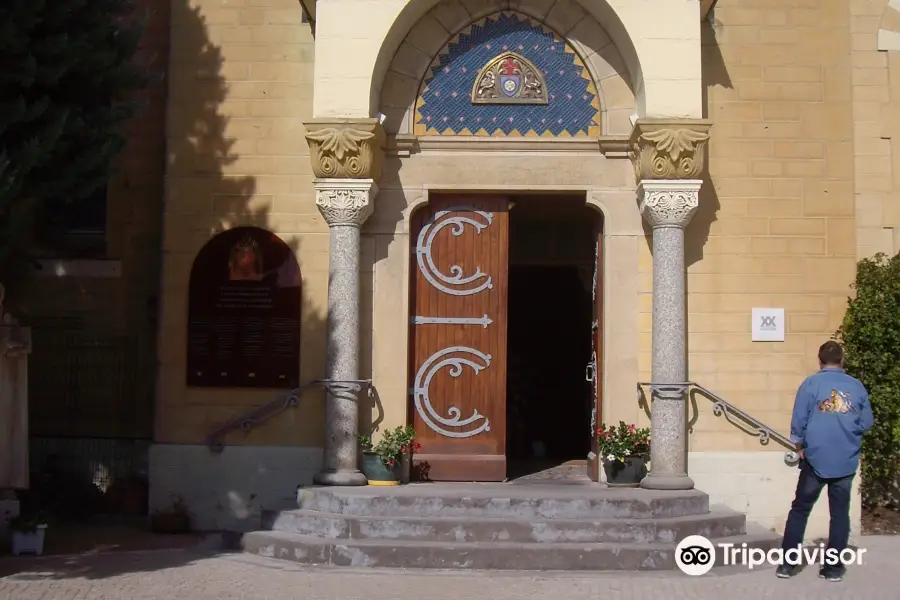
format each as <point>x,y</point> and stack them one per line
<point>208,176</point>
<point>205,170</point>
<point>715,73</point>
<point>209,190</point>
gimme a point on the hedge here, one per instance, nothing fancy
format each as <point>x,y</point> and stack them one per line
<point>870,334</point>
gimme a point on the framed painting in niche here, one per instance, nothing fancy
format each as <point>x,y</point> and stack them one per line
<point>244,312</point>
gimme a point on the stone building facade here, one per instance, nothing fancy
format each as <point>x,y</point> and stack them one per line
<point>738,156</point>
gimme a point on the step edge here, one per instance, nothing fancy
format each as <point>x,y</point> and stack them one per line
<point>311,512</point>
<point>289,537</point>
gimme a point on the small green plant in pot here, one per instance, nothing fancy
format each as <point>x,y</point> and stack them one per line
<point>625,451</point>
<point>28,530</point>
<point>406,437</point>
<point>382,461</point>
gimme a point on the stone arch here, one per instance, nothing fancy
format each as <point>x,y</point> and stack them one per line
<point>416,52</point>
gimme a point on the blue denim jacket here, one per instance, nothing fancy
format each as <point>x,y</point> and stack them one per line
<point>831,414</point>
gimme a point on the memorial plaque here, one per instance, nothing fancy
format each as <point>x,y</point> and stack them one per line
<point>244,306</point>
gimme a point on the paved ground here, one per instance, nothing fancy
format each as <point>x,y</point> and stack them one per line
<point>189,575</point>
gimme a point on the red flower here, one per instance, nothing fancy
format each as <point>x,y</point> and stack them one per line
<point>392,462</point>
<point>600,431</point>
<point>631,429</point>
<point>417,447</point>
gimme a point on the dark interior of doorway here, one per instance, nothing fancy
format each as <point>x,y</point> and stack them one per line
<point>549,343</point>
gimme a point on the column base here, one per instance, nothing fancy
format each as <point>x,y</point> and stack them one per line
<point>667,482</point>
<point>348,477</point>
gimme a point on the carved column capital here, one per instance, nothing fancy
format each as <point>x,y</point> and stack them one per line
<point>669,149</point>
<point>345,148</point>
<point>669,203</point>
<point>347,202</point>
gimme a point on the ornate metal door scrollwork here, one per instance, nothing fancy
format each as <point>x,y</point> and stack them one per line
<point>426,262</point>
<point>428,370</point>
<point>452,426</point>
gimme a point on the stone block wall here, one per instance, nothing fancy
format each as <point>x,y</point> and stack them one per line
<point>875,62</point>
<point>775,227</point>
<point>241,87</point>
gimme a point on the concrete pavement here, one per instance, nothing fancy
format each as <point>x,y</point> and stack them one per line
<point>191,575</point>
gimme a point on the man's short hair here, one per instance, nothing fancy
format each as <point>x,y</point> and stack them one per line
<point>831,353</point>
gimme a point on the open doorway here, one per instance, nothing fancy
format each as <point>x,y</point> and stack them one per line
<point>550,338</point>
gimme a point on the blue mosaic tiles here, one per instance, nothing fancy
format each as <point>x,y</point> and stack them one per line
<point>445,106</point>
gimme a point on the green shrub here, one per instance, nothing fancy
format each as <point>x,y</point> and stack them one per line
<point>870,334</point>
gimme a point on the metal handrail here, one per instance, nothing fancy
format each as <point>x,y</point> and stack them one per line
<point>261,414</point>
<point>723,408</point>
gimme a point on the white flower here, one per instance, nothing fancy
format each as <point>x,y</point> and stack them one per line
<point>628,453</point>
<point>610,458</point>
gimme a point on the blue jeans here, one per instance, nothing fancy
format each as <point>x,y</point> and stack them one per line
<point>809,486</point>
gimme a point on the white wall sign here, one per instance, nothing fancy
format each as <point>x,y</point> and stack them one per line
<point>768,325</point>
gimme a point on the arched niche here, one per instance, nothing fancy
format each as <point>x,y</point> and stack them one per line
<point>244,312</point>
<point>415,50</point>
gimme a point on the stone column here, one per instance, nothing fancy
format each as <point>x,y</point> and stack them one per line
<point>669,161</point>
<point>346,162</point>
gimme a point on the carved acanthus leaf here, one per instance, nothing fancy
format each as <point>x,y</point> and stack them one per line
<point>339,142</point>
<point>668,206</point>
<point>350,205</point>
<point>669,150</point>
<point>344,152</point>
<point>675,142</point>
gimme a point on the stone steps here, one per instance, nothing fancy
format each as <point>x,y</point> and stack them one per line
<point>497,526</point>
<point>503,500</point>
<point>418,554</point>
<point>719,523</point>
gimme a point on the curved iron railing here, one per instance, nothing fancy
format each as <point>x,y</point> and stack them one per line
<point>270,410</point>
<point>737,417</point>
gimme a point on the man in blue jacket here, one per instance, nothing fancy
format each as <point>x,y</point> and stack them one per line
<point>831,414</point>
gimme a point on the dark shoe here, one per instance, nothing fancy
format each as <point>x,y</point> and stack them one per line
<point>829,573</point>
<point>785,571</point>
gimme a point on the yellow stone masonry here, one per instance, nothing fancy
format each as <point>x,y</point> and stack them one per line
<point>789,204</point>
<point>775,227</point>
<point>241,87</point>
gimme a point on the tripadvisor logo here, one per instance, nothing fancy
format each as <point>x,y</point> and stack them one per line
<point>695,555</point>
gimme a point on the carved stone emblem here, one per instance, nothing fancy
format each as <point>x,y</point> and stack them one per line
<point>351,151</point>
<point>670,149</point>
<point>509,79</point>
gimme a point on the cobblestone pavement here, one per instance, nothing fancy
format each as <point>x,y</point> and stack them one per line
<point>187,575</point>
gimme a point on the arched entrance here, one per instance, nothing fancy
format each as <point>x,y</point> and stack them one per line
<point>505,109</point>
<point>506,335</point>
<point>506,306</point>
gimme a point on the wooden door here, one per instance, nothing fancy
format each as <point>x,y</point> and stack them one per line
<point>595,366</point>
<point>458,337</point>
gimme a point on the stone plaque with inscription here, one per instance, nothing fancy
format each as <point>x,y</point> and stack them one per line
<point>244,311</point>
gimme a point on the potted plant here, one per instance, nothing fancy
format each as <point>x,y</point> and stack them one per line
<point>625,452</point>
<point>406,437</point>
<point>174,520</point>
<point>28,531</point>
<point>381,461</point>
